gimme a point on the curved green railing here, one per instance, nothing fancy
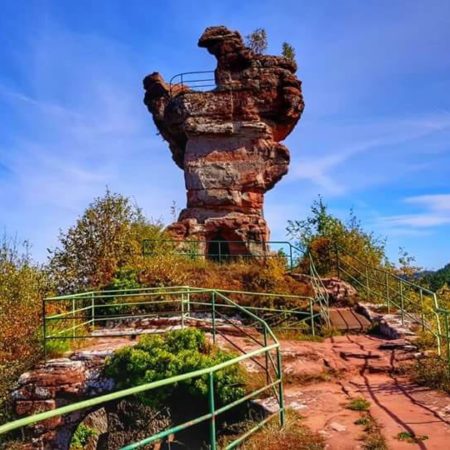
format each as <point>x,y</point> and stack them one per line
<point>78,317</point>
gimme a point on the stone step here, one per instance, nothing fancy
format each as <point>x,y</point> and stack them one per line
<point>348,320</point>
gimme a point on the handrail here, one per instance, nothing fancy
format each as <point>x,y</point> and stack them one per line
<point>396,291</point>
<point>265,349</point>
<point>184,80</point>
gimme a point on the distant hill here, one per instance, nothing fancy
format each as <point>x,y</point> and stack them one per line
<point>435,280</point>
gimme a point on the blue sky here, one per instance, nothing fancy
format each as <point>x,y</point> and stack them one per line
<point>375,134</point>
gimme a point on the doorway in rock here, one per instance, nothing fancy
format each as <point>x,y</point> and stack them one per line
<point>218,249</point>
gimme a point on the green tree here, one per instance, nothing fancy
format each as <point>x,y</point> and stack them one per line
<point>23,284</point>
<point>106,238</point>
<point>257,41</point>
<point>288,51</point>
<point>321,234</point>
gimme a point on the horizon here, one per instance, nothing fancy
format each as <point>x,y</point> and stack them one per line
<point>374,135</point>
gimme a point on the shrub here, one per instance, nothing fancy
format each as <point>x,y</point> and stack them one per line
<point>319,233</point>
<point>432,372</point>
<point>257,41</point>
<point>177,352</point>
<point>105,239</point>
<point>22,286</point>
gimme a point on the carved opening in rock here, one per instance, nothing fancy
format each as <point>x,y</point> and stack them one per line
<point>218,249</point>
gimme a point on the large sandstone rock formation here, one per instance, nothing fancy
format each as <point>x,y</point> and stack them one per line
<point>227,140</point>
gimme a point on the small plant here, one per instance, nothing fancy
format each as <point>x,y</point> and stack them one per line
<point>410,437</point>
<point>82,436</point>
<point>163,356</point>
<point>293,436</point>
<point>288,51</point>
<point>358,404</point>
<point>373,439</point>
<point>257,41</point>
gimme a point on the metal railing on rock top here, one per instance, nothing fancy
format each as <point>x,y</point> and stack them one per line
<point>84,315</point>
<point>202,80</point>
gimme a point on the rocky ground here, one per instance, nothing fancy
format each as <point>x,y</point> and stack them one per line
<point>321,378</point>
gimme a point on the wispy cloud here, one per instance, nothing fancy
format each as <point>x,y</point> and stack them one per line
<point>323,170</point>
<point>436,213</point>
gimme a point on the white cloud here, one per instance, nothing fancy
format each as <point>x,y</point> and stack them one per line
<point>437,213</point>
<point>325,169</point>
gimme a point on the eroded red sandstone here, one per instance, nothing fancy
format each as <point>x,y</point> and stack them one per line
<point>227,140</point>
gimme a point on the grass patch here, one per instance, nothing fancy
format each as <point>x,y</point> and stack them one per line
<point>297,335</point>
<point>358,404</point>
<point>410,437</point>
<point>432,372</point>
<point>373,439</point>
<point>293,436</point>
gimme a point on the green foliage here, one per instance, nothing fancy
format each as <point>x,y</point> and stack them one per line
<point>432,372</point>
<point>321,233</point>
<point>22,286</point>
<point>257,41</point>
<point>411,438</point>
<point>438,279</point>
<point>105,239</point>
<point>288,51</point>
<point>163,356</point>
<point>81,437</point>
<point>358,404</point>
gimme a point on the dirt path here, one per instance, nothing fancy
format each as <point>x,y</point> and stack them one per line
<point>322,377</point>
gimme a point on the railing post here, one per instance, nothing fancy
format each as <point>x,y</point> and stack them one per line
<point>266,357</point>
<point>311,312</point>
<point>213,300</point>
<point>212,423</point>
<point>388,297</point>
<point>422,314</point>
<point>182,310</point>
<point>44,329</point>
<point>188,314</point>
<point>402,305</point>
<point>280,387</point>
<point>73,317</point>
<point>447,341</point>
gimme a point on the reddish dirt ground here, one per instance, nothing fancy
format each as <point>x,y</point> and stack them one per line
<point>321,378</point>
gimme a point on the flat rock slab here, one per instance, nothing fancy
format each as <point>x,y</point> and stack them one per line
<point>347,319</point>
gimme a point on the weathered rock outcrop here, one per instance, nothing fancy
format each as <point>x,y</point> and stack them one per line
<point>54,384</point>
<point>227,140</point>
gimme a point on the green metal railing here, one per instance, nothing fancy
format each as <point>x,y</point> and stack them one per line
<point>84,316</point>
<point>411,301</point>
<point>225,251</point>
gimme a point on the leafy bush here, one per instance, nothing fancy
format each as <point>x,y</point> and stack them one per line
<point>321,232</point>
<point>106,238</point>
<point>288,51</point>
<point>177,352</point>
<point>22,286</point>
